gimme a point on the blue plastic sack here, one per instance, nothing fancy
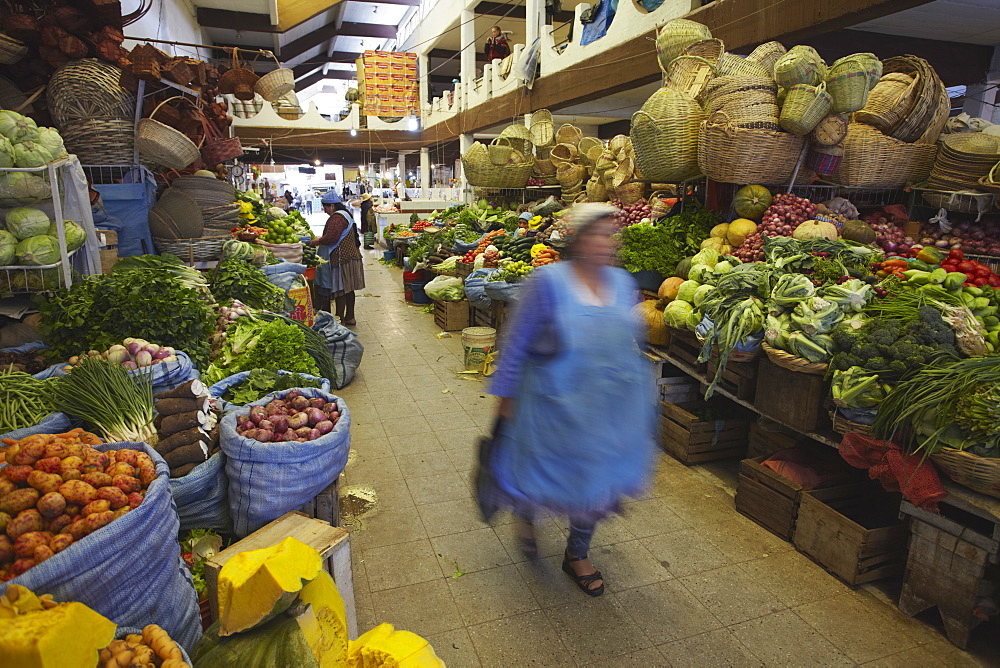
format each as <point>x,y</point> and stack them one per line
<point>502,291</point>
<point>475,288</point>
<point>216,391</point>
<point>284,268</point>
<point>267,480</point>
<point>598,28</point>
<point>54,423</point>
<point>343,344</point>
<point>201,497</point>
<point>131,570</point>
<point>461,247</point>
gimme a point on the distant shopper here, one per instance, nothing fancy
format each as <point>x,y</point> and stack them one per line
<point>289,197</point>
<point>369,221</point>
<point>576,424</point>
<point>307,200</point>
<point>344,272</point>
<point>497,47</point>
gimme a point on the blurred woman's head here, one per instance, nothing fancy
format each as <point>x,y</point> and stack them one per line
<point>496,31</point>
<point>590,229</point>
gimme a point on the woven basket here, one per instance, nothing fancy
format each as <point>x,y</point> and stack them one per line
<point>666,150</point>
<point>793,363</point>
<point>677,35</point>
<point>562,153</point>
<point>163,145</point>
<point>991,182</point>
<point>630,193</point>
<point>568,134</point>
<point>569,174</point>
<point>731,154</point>
<point>804,107</point>
<point>617,143</point>
<point>888,101</point>
<point>543,133</point>
<point>500,151</point>
<point>596,192</point>
<point>733,65</point>
<point>204,249</point>
<point>623,173</point>
<point>544,167</point>
<point>658,205</point>
<point>824,160</point>
<point>980,474</point>
<point>541,116</point>
<point>238,81</point>
<point>689,75</point>
<point>275,84</point>
<point>801,65</point>
<point>842,425</point>
<point>847,84</point>
<point>736,87</point>
<point>216,148</point>
<point>519,136</point>
<point>708,49</point>
<point>767,55</point>
<point>11,50</point>
<point>873,160</point>
<point>85,89</point>
<point>925,119</point>
<point>830,131</point>
<point>480,172</point>
<point>587,144</point>
<point>605,162</point>
<point>100,141</point>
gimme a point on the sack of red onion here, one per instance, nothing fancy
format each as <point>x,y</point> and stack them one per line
<point>296,417</point>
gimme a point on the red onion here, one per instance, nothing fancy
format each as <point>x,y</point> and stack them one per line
<point>264,436</point>
<point>250,433</point>
<point>280,423</point>
<point>266,424</point>
<point>315,416</point>
<point>303,432</point>
<point>297,420</point>
<point>300,403</point>
<point>257,413</point>
<point>318,402</point>
<point>292,395</point>
<point>274,408</point>
<point>324,426</point>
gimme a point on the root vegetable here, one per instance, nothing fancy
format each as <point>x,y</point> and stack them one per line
<point>192,389</point>
<point>60,542</point>
<point>171,424</point>
<point>264,435</point>
<point>318,402</point>
<point>315,416</point>
<point>257,415</point>
<point>187,454</point>
<point>300,403</point>
<point>127,484</point>
<point>182,471</point>
<point>19,500</point>
<point>78,492</point>
<point>174,406</point>
<point>51,505</point>
<point>303,432</point>
<point>324,426</point>
<point>25,544</point>
<point>98,479</point>
<point>280,424</point>
<point>135,499</point>
<point>25,522</point>
<point>94,507</point>
<point>298,420</point>
<point>44,482</point>
<point>58,524</point>
<point>114,496</point>
<point>181,438</point>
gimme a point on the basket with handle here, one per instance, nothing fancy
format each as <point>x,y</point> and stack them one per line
<point>677,35</point>
<point>11,50</point>
<point>161,144</point>
<point>767,54</point>
<point>631,192</point>
<point>658,205</point>
<point>847,84</point>
<point>980,474</point>
<point>689,74</point>
<point>238,81</point>
<point>873,160</point>
<point>543,133</point>
<point>888,101</point>
<point>568,134</point>
<point>596,192</point>
<point>604,162</point>
<point>587,144</point>
<point>479,171</point>
<point>500,151</point>
<point>991,182</point>
<point>275,84</point>
<point>216,148</point>
<point>710,49</point>
<point>623,173</point>
<point>519,136</point>
<point>801,65</point>
<point>804,107</point>
<point>731,154</point>
<point>666,150</point>
<point>541,116</point>
<point>842,425</point>
<point>792,362</point>
<point>569,174</point>
<point>563,153</point>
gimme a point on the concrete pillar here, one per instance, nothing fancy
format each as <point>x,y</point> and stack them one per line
<point>402,166</point>
<point>425,170</point>
<point>533,21</point>
<point>424,68</point>
<point>468,37</point>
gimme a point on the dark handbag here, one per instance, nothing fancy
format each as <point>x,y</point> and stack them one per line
<point>487,495</point>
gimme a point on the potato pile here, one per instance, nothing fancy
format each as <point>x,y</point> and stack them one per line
<point>153,649</point>
<point>56,489</point>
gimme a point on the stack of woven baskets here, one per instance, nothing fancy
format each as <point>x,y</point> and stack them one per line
<point>213,197</point>
<point>615,175</point>
<point>665,136</point>
<point>178,227</point>
<point>506,163</point>
<point>963,168</point>
<point>94,114</point>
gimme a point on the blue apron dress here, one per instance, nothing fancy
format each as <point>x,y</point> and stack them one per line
<point>583,431</point>
<point>329,277</point>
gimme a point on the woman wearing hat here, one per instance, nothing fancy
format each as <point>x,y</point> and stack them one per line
<point>576,424</point>
<point>344,271</point>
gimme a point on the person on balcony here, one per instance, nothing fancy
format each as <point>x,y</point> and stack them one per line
<point>497,47</point>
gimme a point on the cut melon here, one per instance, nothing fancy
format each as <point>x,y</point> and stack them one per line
<point>384,647</point>
<point>255,586</point>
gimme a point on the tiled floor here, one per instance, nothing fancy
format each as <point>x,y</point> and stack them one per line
<point>689,581</point>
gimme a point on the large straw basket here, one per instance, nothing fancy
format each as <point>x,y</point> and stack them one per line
<point>203,249</point>
<point>666,150</point>
<point>587,144</point>
<point>596,192</point>
<point>925,119</point>
<point>618,142</point>
<point>176,215</point>
<point>519,136</point>
<point>847,84</point>
<point>873,160</point>
<point>479,171</point>
<point>605,162</point>
<point>991,182</point>
<point>675,36</point>
<point>801,65</point>
<point>543,133</point>
<point>563,153</point>
<point>804,107</point>
<point>275,84</point>
<point>830,131</point>
<point>11,50</point>
<point>980,474</point>
<point>689,74</point>
<point>623,173</point>
<point>544,167</point>
<point>731,154</point>
<point>792,362</point>
<point>163,145</point>
<point>767,55</point>
<point>709,49</point>
<point>630,193</point>
<point>569,174</point>
<point>500,151</point>
<point>88,88</point>
<point>733,65</point>
<point>100,141</point>
<point>238,80</point>
<point>568,134</point>
<point>888,101</point>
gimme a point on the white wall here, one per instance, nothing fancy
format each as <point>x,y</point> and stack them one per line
<point>170,20</point>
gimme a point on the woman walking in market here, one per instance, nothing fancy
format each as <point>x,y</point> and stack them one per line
<point>343,273</point>
<point>369,223</point>
<point>575,431</point>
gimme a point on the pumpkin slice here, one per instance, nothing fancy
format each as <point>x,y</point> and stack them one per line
<point>255,586</point>
<point>324,623</point>
<point>385,647</point>
<point>68,634</point>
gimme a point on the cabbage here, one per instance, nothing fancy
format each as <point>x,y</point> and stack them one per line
<point>676,313</point>
<point>702,293</point>
<point>23,187</point>
<point>16,127</point>
<point>446,289</point>
<point>708,256</point>
<point>42,249</point>
<point>50,139</point>
<point>36,280</point>
<point>31,154</point>
<point>686,291</point>
<point>8,242</point>
<point>277,212</point>
<point>702,273</point>
<point>75,236</point>
<point>6,153</point>
<point>24,222</point>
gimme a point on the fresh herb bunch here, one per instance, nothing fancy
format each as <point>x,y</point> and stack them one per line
<point>660,246</point>
<point>151,304</point>
<point>236,279</point>
<point>258,344</point>
<point>262,382</point>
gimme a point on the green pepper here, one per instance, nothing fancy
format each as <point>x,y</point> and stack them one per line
<point>917,277</point>
<point>914,263</point>
<point>991,321</point>
<point>972,289</point>
<point>994,338</point>
<point>980,302</point>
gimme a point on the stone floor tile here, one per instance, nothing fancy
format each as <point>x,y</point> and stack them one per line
<point>500,643</point>
<point>414,444</point>
<point>448,517</point>
<point>646,658</point>
<point>389,527</point>
<point>438,487</point>
<point>400,565</point>
<point>471,551</point>
<point>667,611</point>
<point>859,632</point>
<point>701,508</point>
<point>651,517</point>
<point>794,578</point>
<point>741,539</point>
<point>784,639</point>
<point>597,629</point>
<point>732,595</point>
<point>455,648</point>
<point>372,470</point>
<point>402,426</point>
<point>426,608</point>
<point>685,552</point>
<point>424,464</point>
<point>714,648</point>
<point>627,565</point>
<point>915,656</point>
<point>550,586</point>
<point>550,538</point>
<point>460,439</point>
<point>491,594</point>
<point>398,409</point>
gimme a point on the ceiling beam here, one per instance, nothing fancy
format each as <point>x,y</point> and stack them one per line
<point>318,76</point>
<point>224,18</point>
<point>293,12</point>
<point>335,57</point>
<point>329,31</point>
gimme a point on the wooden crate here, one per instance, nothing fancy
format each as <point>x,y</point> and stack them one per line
<point>795,399</point>
<point>672,384</point>
<point>325,505</point>
<point>854,533</point>
<point>768,437</point>
<point>491,317</point>
<point>451,316</point>
<point>333,544</point>
<point>685,347</point>
<point>738,378</point>
<point>108,252</point>
<point>691,441</point>
<point>463,269</point>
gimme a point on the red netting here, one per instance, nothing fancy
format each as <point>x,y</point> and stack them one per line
<point>897,472</point>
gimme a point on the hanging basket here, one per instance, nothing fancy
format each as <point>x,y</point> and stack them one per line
<point>847,84</point>
<point>500,151</point>
<point>275,84</point>
<point>804,108</point>
<point>731,154</point>
<point>163,145</point>
<point>218,149</point>
<point>677,35</point>
<point>666,150</point>
<point>238,81</point>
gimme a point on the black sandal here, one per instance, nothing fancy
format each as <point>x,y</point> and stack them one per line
<point>528,544</point>
<point>583,581</point>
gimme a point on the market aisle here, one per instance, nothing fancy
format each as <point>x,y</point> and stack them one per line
<point>689,581</point>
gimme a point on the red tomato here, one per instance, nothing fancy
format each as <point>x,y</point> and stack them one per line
<point>967,284</point>
<point>969,275</point>
<point>980,281</point>
<point>994,281</point>
<point>966,267</point>
<point>955,254</point>
<point>982,271</point>
<point>949,266</point>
